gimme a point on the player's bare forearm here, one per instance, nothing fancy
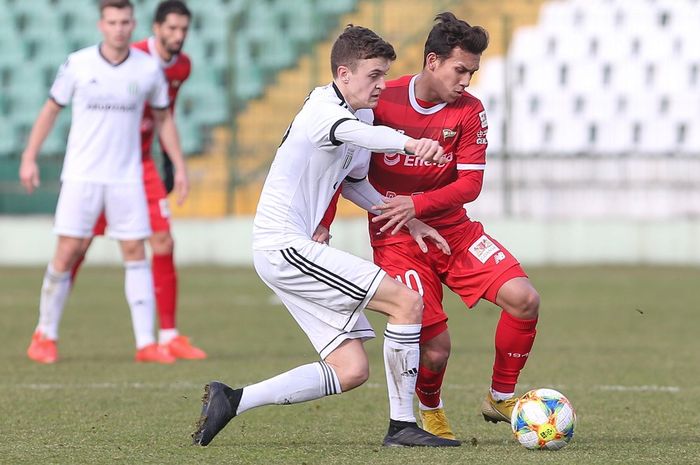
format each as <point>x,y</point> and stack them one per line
<point>169,137</point>
<point>28,170</point>
<point>165,125</point>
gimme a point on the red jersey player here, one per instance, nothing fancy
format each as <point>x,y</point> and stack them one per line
<point>170,25</point>
<point>434,104</point>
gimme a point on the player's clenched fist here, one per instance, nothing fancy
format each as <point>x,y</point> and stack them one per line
<point>426,149</point>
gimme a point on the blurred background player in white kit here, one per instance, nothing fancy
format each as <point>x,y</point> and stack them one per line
<point>170,24</point>
<point>107,85</point>
<point>323,288</point>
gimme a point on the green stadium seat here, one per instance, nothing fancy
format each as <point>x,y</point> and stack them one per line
<point>9,144</point>
<point>190,137</point>
<point>249,82</point>
<point>335,7</point>
<point>299,21</point>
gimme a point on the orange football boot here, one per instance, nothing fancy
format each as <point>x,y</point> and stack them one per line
<point>41,349</point>
<point>180,347</point>
<point>154,353</point>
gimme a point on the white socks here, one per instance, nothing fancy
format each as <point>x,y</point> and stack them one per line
<point>307,382</point>
<point>167,335</point>
<point>501,395</point>
<point>138,286</point>
<point>54,293</point>
<point>425,408</point>
<point>401,357</point>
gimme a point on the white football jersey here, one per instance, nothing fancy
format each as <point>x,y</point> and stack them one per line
<point>104,143</point>
<point>320,148</point>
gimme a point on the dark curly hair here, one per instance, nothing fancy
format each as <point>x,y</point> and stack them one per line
<point>358,43</point>
<point>451,32</point>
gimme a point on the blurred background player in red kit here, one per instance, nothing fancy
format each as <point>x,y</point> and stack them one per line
<point>170,25</point>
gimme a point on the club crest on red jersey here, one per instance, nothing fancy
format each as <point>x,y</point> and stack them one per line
<point>447,133</point>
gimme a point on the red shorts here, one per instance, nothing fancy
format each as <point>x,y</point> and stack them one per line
<point>157,198</point>
<point>477,268</point>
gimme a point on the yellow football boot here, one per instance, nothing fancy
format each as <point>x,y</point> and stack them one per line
<point>497,410</point>
<point>435,422</point>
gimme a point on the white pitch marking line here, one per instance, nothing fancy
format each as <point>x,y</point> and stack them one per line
<point>644,388</point>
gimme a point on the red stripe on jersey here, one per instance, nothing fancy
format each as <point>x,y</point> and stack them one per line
<point>176,73</point>
<point>440,190</point>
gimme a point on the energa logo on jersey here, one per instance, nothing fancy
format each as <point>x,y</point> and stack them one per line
<point>391,159</point>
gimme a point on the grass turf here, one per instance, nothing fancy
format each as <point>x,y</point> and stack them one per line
<point>621,343</point>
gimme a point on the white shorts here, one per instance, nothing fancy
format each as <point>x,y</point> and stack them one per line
<point>81,203</point>
<point>324,289</point>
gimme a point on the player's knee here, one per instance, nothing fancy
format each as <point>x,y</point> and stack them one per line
<point>162,243</point>
<point>529,305</point>
<point>353,375</point>
<point>435,358</point>
<point>411,306</point>
<point>133,250</point>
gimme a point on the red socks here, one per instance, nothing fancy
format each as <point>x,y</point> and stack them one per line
<point>428,386</point>
<point>514,339</point>
<point>165,284</point>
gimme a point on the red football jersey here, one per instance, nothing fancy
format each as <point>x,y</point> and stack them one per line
<point>461,127</point>
<point>177,70</point>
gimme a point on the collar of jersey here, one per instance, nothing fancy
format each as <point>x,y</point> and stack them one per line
<point>414,103</point>
<point>99,51</point>
<point>342,103</point>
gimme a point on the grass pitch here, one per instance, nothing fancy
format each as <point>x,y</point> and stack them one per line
<point>620,343</point>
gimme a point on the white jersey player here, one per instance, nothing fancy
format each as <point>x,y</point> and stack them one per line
<point>325,289</point>
<point>107,86</point>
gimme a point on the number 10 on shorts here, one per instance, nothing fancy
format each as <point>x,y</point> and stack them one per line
<point>411,280</point>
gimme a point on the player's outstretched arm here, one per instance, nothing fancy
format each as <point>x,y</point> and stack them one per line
<point>28,168</point>
<point>165,125</point>
<point>386,139</point>
<point>426,149</point>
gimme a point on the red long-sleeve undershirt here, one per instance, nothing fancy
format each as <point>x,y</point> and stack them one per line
<point>466,188</point>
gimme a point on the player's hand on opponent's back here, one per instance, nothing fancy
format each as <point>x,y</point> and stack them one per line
<point>396,211</point>
<point>322,235</point>
<point>421,231</point>
<point>426,149</point>
<point>182,185</point>
<point>29,175</point>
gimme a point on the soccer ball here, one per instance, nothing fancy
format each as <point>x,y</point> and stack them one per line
<point>543,419</point>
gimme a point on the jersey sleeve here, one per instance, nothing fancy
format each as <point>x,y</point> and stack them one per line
<point>323,121</point>
<point>471,150</point>
<point>64,85</point>
<point>330,126</point>
<point>158,97</point>
<point>471,163</point>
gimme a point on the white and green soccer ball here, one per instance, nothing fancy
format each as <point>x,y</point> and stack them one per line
<point>543,419</point>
